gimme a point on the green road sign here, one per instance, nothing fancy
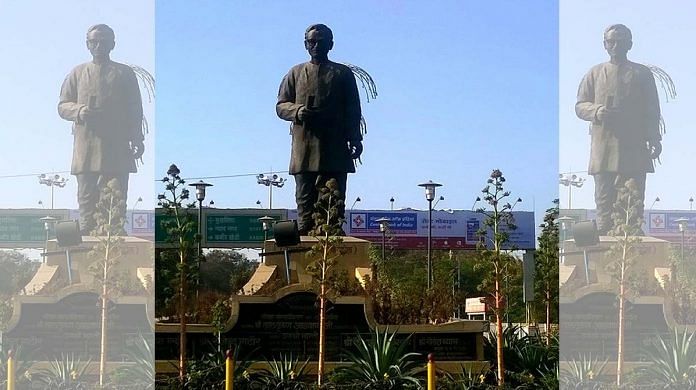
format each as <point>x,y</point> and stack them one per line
<point>224,228</point>
<point>161,219</point>
<point>23,228</point>
<point>237,228</point>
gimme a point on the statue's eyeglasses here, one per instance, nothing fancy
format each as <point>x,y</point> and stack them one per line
<point>314,42</point>
<point>94,42</point>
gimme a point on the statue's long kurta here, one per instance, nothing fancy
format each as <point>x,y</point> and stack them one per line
<point>103,145</point>
<point>619,145</point>
<point>321,146</point>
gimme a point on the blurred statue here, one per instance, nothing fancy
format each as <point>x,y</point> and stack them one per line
<point>102,99</point>
<point>620,100</point>
<point>320,98</point>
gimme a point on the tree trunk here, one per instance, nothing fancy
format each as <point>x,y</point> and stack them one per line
<point>499,329</point>
<point>104,297</point>
<point>102,353</point>
<point>620,347</point>
<point>322,332</point>
<point>182,322</point>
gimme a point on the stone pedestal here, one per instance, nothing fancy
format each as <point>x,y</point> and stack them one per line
<point>54,317</point>
<point>652,253</point>
<point>354,260</point>
<point>589,312</point>
<point>135,259</point>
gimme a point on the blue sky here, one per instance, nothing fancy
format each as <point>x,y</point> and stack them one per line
<point>660,37</point>
<point>464,87</point>
<point>41,42</point>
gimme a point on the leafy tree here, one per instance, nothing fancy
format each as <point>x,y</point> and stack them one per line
<point>397,294</point>
<point>497,262</point>
<point>16,270</point>
<point>226,271</point>
<point>683,287</point>
<point>546,266</point>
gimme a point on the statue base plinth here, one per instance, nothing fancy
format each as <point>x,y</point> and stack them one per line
<point>354,260</point>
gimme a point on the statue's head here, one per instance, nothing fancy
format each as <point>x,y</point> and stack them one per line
<point>618,40</point>
<point>318,41</point>
<point>100,40</point>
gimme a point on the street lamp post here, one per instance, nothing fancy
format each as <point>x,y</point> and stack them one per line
<point>683,224</point>
<point>438,200</point>
<point>657,199</point>
<point>48,221</point>
<point>270,182</point>
<point>383,226</point>
<point>565,222</point>
<point>391,201</point>
<point>691,203</point>
<point>356,201</point>
<point>430,187</point>
<point>570,181</point>
<point>200,196</point>
<point>52,181</point>
<point>266,223</point>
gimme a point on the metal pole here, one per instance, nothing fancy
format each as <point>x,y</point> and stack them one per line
<point>270,196</point>
<point>563,238</point>
<point>200,247</point>
<point>459,285</point>
<point>287,265</point>
<point>45,258</point>
<point>431,372</point>
<point>587,266</point>
<point>10,370</point>
<point>682,254</point>
<point>200,231</point>
<point>51,196</point>
<point>229,370</point>
<point>570,195</point>
<point>384,241</point>
<point>430,233</point>
<point>69,263</point>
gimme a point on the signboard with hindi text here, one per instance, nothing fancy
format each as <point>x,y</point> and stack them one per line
<point>23,228</point>
<point>239,228</point>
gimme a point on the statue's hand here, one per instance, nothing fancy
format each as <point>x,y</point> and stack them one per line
<point>138,149</point>
<point>655,148</point>
<point>88,114</point>
<point>605,114</point>
<point>306,114</point>
<point>356,149</point>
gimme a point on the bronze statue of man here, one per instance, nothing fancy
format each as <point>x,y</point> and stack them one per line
<point>320,98</point>
<point>619,98</point>
<point>102,99</point>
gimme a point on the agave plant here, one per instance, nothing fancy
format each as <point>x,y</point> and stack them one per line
<point>380,363</point>
<point>142,372</point>
<point>582,373</point>
<point>532,357</point>
<point>673,360</point>
<point>65,373</point>
<point>287,373</point>
<point>467,379</point>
